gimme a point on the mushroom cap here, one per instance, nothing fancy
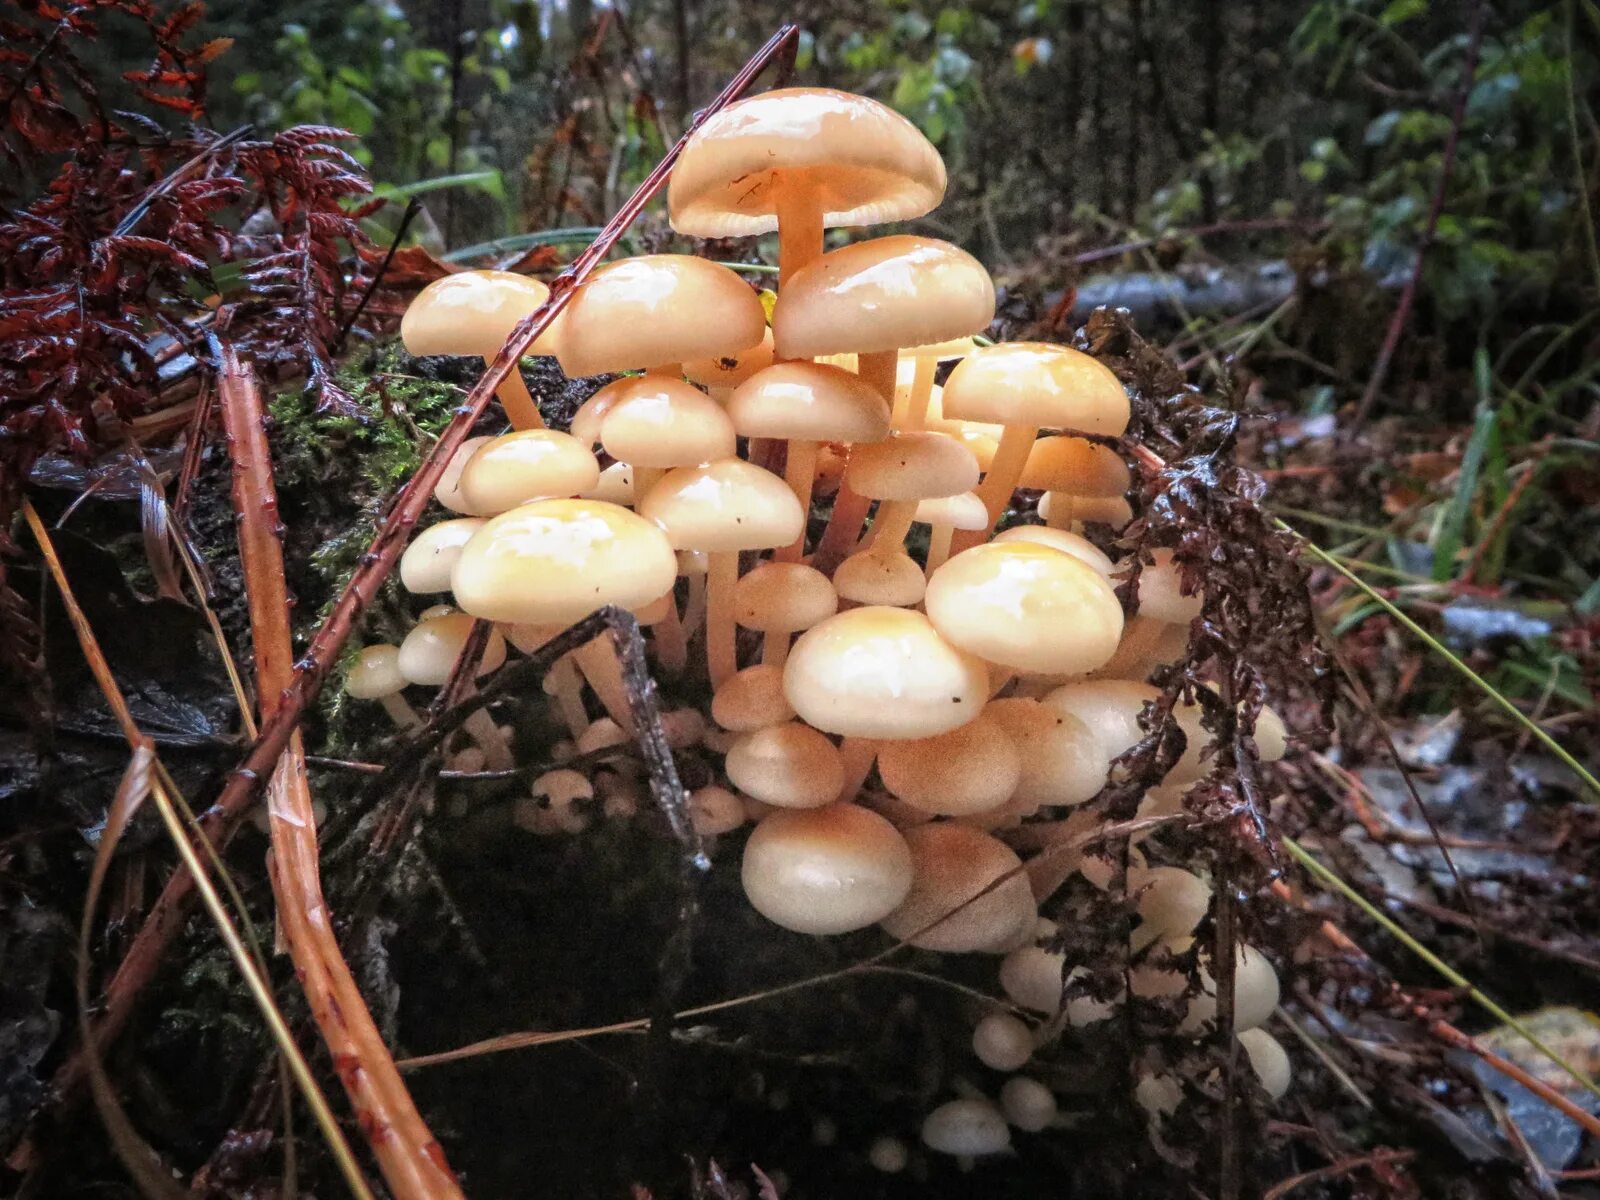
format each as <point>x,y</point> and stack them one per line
<point>472,312</point>
<point>592,413</point>
<point>1074,544</point>
<point>553,562</point>
<point>882,295</point>
<point>751,699</point>
<point>1109,707</point>
<point>692,563</point>
<point>1002,1042</point>
<point>730,370</point>
<point>1171,903</point>
<point>615,486</point>
<point>809,402</point>
<point>1114,511</point>
<point>971,769</point>
<point>1037,384</point>
<point>962,511</point>
<point>530,464</point>
<point>1255,993</point>
<point>375,673</point>
<point>880,672</point>
<point>982,440</point>
<point>826,870</point>
<point>724,506</point>
<point>969,1128</point>
<point>1034,978</point>
<point>1026,606</point>
<point>429,652</point>
<point>714,810</point>
<point>654,310</point>
<point>952,864</point>
<point>1161,592</point>
<point>1272,736</point>
<point>920,465</point>
<point>1268,1060</point>
<point>783,597</point>
<point>1027,1103</point>
<point>427,562</point>
<point>880,576</point>
<point>864,162</point>
<point>656,421</point>
<point>1061,761</point>
<point>1075,465</point>
<point>448,490</point>
<point>789,765</point>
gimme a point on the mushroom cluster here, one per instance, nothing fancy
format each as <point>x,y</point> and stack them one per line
<point>926,695</point>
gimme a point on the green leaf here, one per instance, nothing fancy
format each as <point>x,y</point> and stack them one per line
<point>1453,528</point>
<point>488,182</point>
<point>1401,11</point>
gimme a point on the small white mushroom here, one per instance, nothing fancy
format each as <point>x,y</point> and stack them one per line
<point>969,1128</point>
<point>714,810</point>
<point>1268,1060</point>
<point>1027,1103</point>
<point>1002,1042</point>
<point>889,1155</point>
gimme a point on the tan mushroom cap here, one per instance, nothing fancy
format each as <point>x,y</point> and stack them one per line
<point>448,490</point>
<point>882,295</point>
<point>864,162</point>
<point>655,421</point>
<point>1027,607</point>
<point>969,770</point>
<point>1114,511</point>
<point>1171,903</point>
<point>724,506</point>
<point>1074,544</point>
<point>1161,592</point>
<point>615,486</point>
<point>912,466</point>
<point>1036,384</point>
<point>1256,990</point>
<point>730,370</point>
<point>781,597</point>
<point>472,312</point>
<point>1076,465</point>
<point>951,864</point>
<point>751,699</point>
<point>1062,761</point>
<point>809,402</point>
<point>530,464</point>
<point>375,673</point>
<point>1109,707</point>
<point>961,511</point>
<point>789,765</point>
<point>880,672</point>
<point>826,870</point>
<point>427,562</point>
<point>592,413</point>
<point>880,576</point>
<point>658,309</point>
<point>553,562</point>
<point>429,652</point>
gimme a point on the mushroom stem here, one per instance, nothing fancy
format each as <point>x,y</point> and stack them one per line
<point>485,733</point>
<point>857,755</point>
<point>598,662</point>
<point>520,408</point>
<point>1061,506</point>
<point>913,414</point>
<point>799,213</point>
<point>775,648</point>
<point>672,643</point>
<point>1010,456</point>
<point>694,608</point>
<point>400,712</point>
<point>800,473</point>
<point>645,478</point>
<point>938,546</point>
<point>844,526</point>
<point>878,369</point>
<point>892,523</point>
<point>562,684</point>
<point>722,657</point>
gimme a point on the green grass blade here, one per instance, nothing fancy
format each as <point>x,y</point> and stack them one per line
<point>1447,548</point>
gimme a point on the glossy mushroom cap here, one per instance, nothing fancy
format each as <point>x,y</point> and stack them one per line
<point>1074,544</point>
<point>952,863</point>
<point>1037,384</point>
<point>780,597</point>
<point>880,672</point>
<point>427,562</point>
<point>530,464</point>
<point>882,295</point>
<point>724,506</point>
<point>429,652</point>
<point>865,163</point>
<point>448,490</point>
<point>1268,1060</point>
<point>809,402</point>
<point>1110,708</point>
<point>1076,465</point>
<point>654,421</point>
<point>658,309</point>
<point>971,769</point>
<point>1114,511</point>
<point>826,870</point>
<point>1027,607</point>
<point>1061,761</point>
<point>1171,903</point>
<point>961,511</point>
<point>472,312</point>
<point>375,673</point>
<point>881,576</point>
<point>912,466</point>
<point>1161,593</point>
<point>553,562</point>
<point>615,486</point>
<point>789,765</point>
<point>1027,1104</point>
<point>730,370</point>
<point>751,699</point>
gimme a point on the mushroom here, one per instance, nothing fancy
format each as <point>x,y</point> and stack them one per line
<point>789,765</point>
<point>660,616</point>
<point>428,657</point>
<point>970,769</point>
<point>889,1155</point>
<point>801,160</point>
<point>615,486</point>
<point>1027,1104</point>
<point>806,403</point>
<point>1268,1060</point>
<point>944,516</point>
<point>723,508</point>
<point>825,870</point>
<point>1074,544</point>
<point>656,423</point>
<point>967,1128</point>
<point>561,682</point>
<point>721,373</point>
<point>1002,1042</point>
<point>1073,470</point>
<point>751,699</point>
<point>1113,511</point>
<point>427,562</point>
<point>714,811</point>
<point>914,386</point>
<point>448,490</point>
<point>1062,763</point>
<point>531,464</point>
<point>780,599</point>
<point>875,576</point>
<point>1161,592</point>
<point>903,470</point>
<point>375,675</point>
<point>474,312</point>
<point>873,298</point>
<point>1171,903</point>
<point>969,893</point>
<point>1026,386</point>
<point>1255,988</point>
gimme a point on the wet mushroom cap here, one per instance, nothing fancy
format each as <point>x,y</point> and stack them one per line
<point>1075,465</point>
<point>1027,1104</point>
<point>864,162</point>
<point>891,577</point>
<point>615,486</point>
<point>472,312</point>
<point>530,464</point>
<point>912,466</point>
<point>789,765</point>
<point>448,490</point>
<point>1061,761</point>
<point>553,562</point>
<point>375,673</point>
<point>724,506</point>
<point>971,769</point>
<point>953,865</point>
<point>880,672</point>
<point>654,310</point>
<point>751,699</point>
<point>961,511</point>
<point>730,370</point>
<point>1268,1060</point>
<point>427,562</point>
<point>968,1128</point>
<point>809,402</point>
<point>1114,511</point>
<point>1109,707</point>
<point>1161,593</point>
<point>655,421</point>
<point>825,870</point>
<point>1074,544</point>
<point>429,652</point>
<point>781,597</point>
<point>1037,384</point>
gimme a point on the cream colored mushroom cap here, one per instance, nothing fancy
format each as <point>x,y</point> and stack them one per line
<point>472,312</point>
<point>1075,465</point>
<point>1161,593</point>
<point>1037,384</point>
<point>429,652</point>
<point>751,699</point>
<point>864,162</point>
<point>1114,511</point>
<point>961,511</point>
<point>789,765</point>
<point>882,295</point>
<point>660,422</point>
<point>809,402</point>
<point>530,464</point>
<point>782,597</point>
<point>724,506</point>
<point>972,769</point>
<point>919,465</point>
<point>1074,544</point>
<point>1268,1060</point>
<point>1062,761</point>
<point>1109,707</point>
<point>592,413</point>
<point>951,864</point>
<point>880,672</point>
<point>730,370</point>
<point>658,309</point>
<point>1027,607</point>
<point>880,576</point>
<point>448,490</point>
<point>427,562</point>
<point>553,562</point>
<point>375,673</point>
<point>968,1128</point>
<point>826,870</point>
<point>615,486</point>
